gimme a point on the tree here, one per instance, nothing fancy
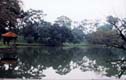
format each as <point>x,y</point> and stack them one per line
<point>78,35</point>
<point>119,24</point>
<point>34,26</point>
<point>111,33</point>
<point>59,35</point>
<point>88,26</point>
<point>108,38</point>
<point>10,11</point>
<point>44,32</point>
<point>64,21</point>
<point>30,24</point>
<point>33,16</point>
<point>105,27</point>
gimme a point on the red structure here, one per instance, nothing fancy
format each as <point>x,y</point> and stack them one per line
<point>7,37</point>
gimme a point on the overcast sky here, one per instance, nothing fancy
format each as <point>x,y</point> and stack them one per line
<point>78,9</point>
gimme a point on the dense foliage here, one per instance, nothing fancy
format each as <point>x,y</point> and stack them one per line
<point>10,11</point>
<point>111,34</point>
<point>32,26</point>
<point>35,29</point>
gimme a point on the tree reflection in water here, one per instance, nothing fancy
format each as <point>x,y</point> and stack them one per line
<point>32,61</point>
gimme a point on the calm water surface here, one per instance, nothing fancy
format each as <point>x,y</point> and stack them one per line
<point>63,63</point>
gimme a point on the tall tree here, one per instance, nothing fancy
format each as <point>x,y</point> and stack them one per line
<point>105,27</point>
<point>78,35</point>
<point>64,21</point>
<point>119,24</point>
<point>10,11</point>
<point>30,23</point>
<point>88,26</point>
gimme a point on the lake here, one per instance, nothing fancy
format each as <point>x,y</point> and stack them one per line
<point>63,63</point>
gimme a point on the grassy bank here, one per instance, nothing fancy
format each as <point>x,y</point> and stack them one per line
<point>70,45</point>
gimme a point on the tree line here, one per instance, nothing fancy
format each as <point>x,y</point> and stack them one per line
<point>31,25</point>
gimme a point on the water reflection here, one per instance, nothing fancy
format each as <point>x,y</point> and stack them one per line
<point>32,62</point>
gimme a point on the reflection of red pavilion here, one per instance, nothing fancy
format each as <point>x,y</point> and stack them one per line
<point>9,34</point>
<point>8,61</point>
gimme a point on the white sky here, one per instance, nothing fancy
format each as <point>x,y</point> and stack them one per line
<point>78,9</point>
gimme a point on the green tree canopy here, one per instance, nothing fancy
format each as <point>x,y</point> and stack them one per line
<point>64,21</point>
<point>10,11</point>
